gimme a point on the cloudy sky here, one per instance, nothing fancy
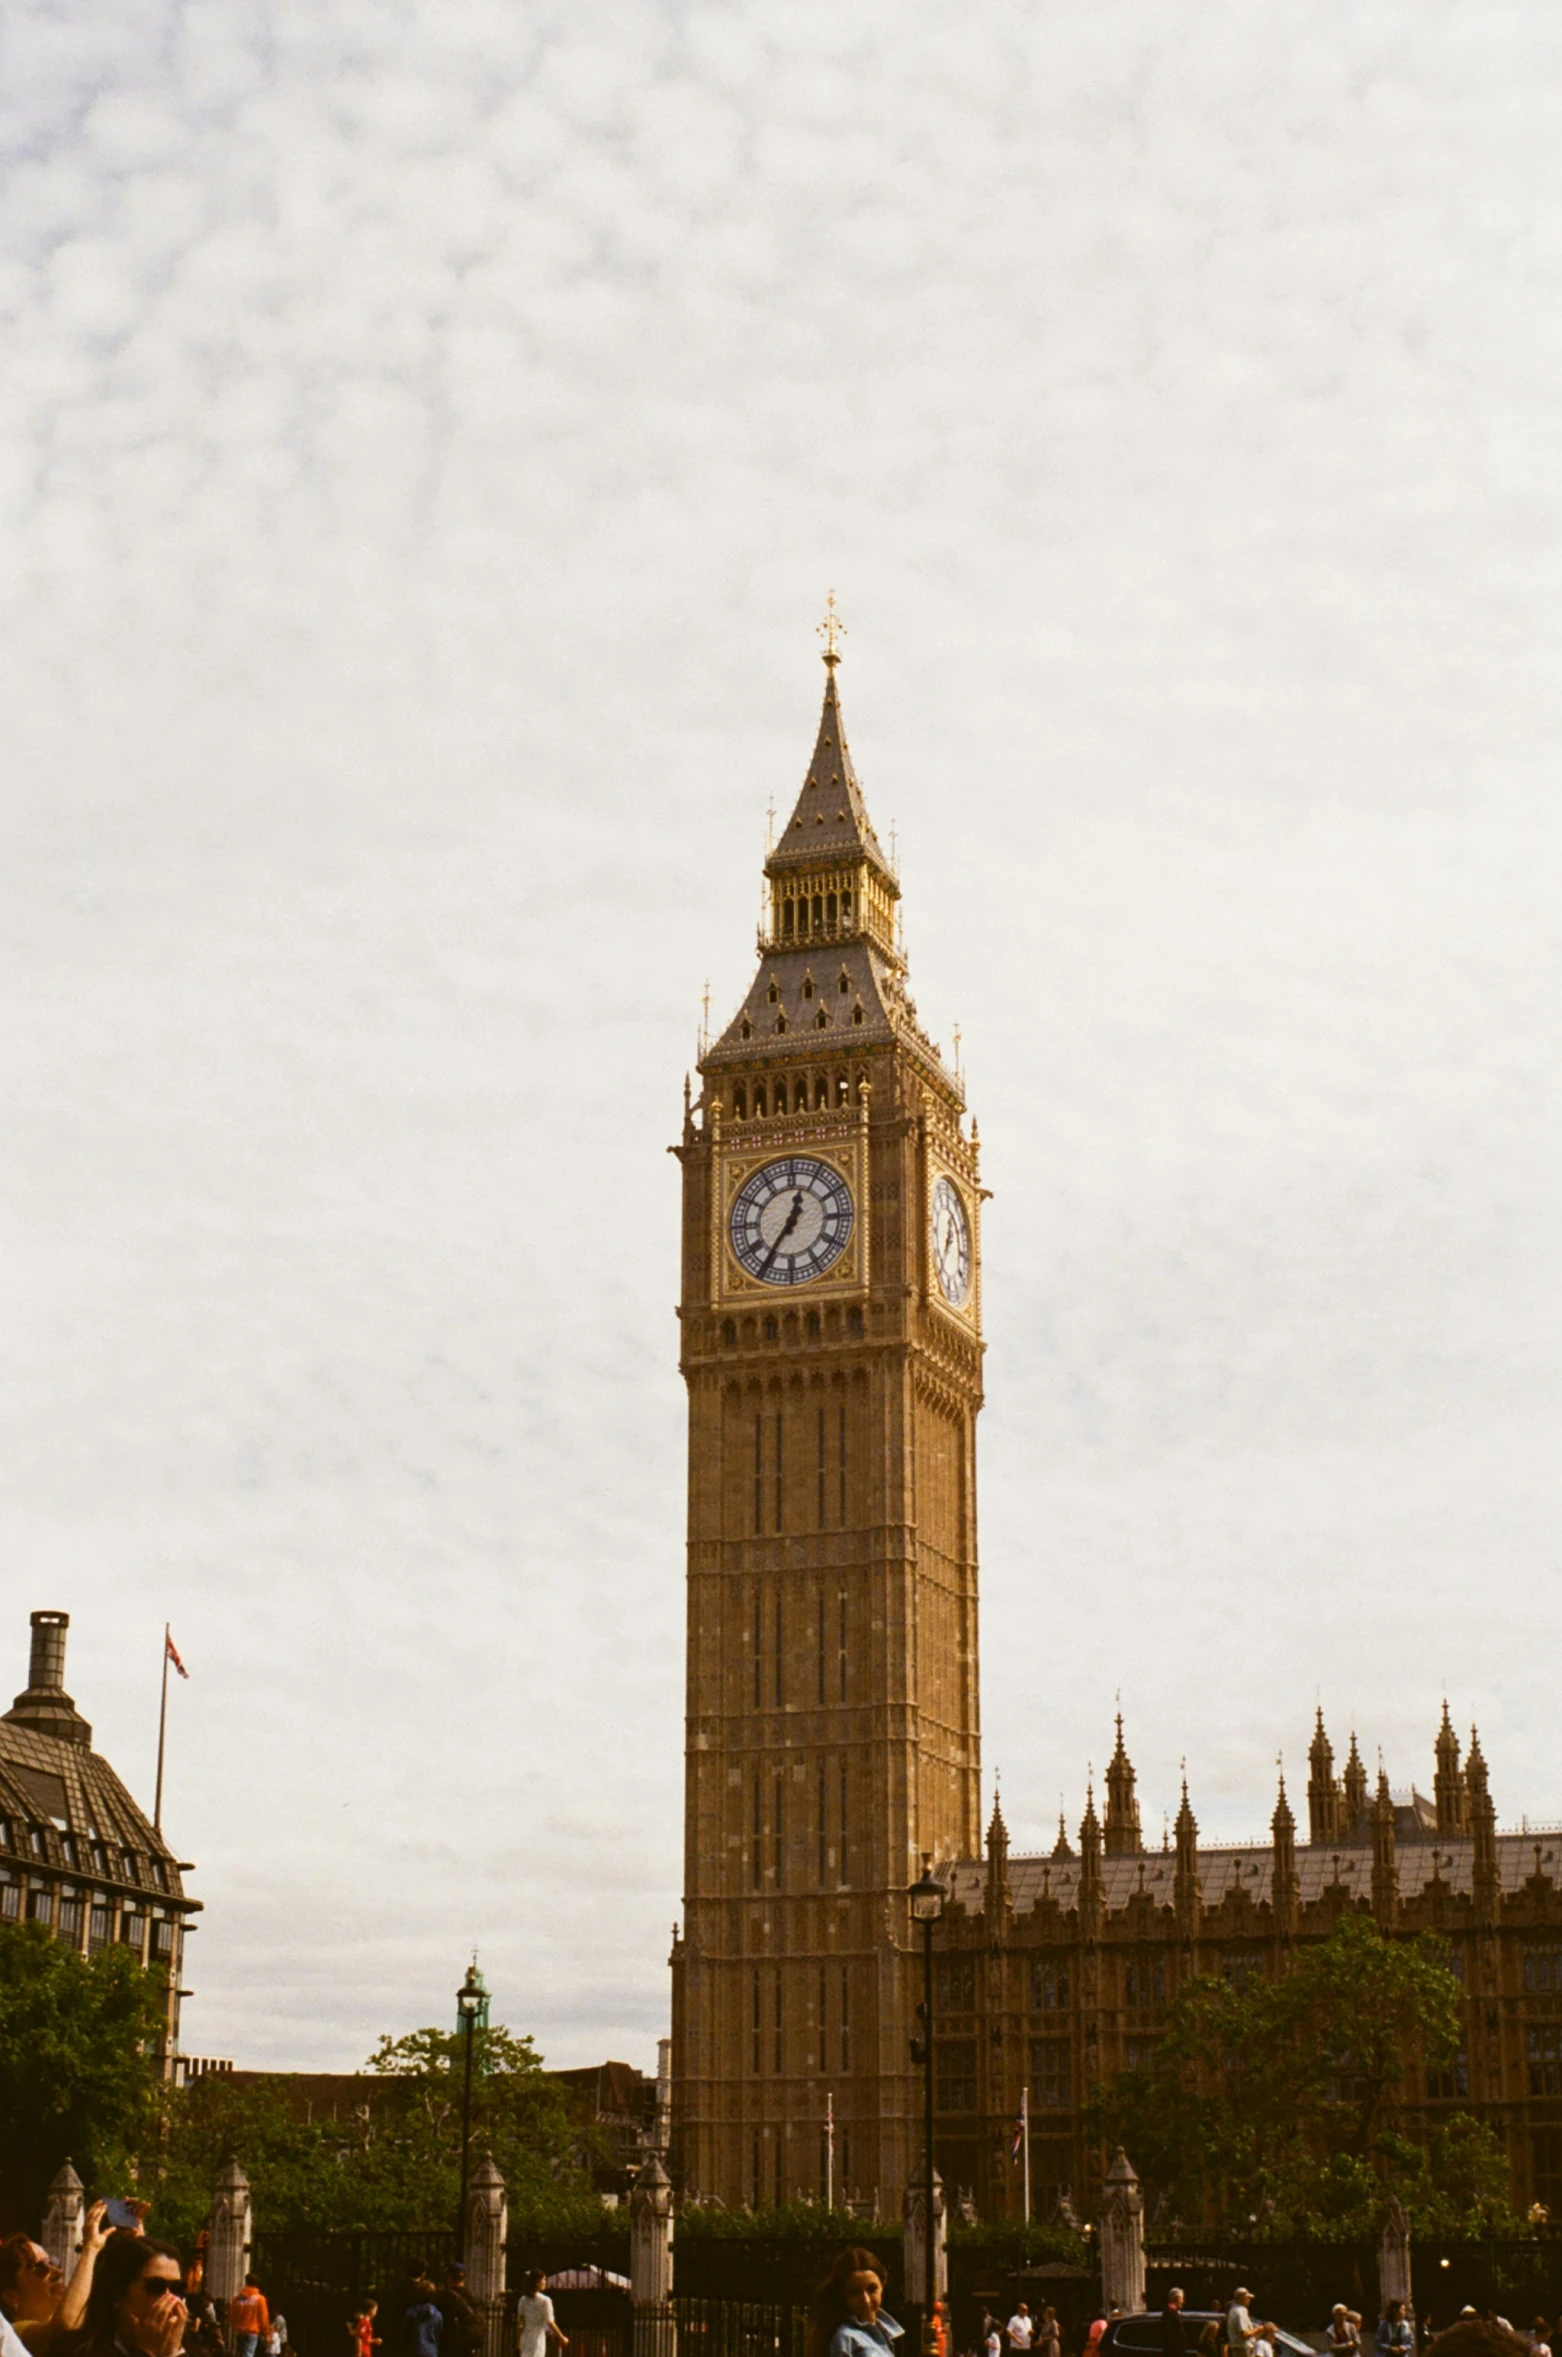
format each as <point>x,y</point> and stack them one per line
<point>427,435</point>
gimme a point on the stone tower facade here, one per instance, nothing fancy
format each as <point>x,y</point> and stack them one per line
<point>831,1345</point>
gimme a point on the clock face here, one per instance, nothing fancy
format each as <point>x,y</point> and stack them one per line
<point>791,1221</point>
<point>951,1243</point>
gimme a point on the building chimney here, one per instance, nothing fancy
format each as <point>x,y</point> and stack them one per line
<point>44,1703</point>
<point>46,1670</point>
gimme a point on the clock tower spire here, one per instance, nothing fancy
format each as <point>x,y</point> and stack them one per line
<point>831,1346</point>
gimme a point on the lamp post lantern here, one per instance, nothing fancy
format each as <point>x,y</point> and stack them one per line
<point>471,2008</point>
<point>927,1905</point>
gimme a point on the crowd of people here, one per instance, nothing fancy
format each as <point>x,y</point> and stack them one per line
<point>849,2319</point>
<point>128,2295</point>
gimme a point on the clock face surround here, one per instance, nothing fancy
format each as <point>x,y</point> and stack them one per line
<point>791,1220</point>
<point>951,1233</point>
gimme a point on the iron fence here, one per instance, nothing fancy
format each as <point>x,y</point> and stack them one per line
<point>320,2277</point>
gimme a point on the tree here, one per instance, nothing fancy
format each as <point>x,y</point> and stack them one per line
<point>389,2157</point>
<point>77,2078</point>
<point>519,2114</point>
<point>1287,2099</point>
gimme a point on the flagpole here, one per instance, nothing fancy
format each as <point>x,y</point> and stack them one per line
<point>829,2152</point>
<point>162,1735</point>
<point>1025,2124</point>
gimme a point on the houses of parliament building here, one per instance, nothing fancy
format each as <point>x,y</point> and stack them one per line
<point>831,1343</point>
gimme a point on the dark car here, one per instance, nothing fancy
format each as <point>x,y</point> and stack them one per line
<point>1140,2336</point>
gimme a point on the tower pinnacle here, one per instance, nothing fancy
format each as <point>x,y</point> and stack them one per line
<point>832,630</point>
<point>1124,1838</point>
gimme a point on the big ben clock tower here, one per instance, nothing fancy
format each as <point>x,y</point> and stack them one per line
<point>831,1343</point>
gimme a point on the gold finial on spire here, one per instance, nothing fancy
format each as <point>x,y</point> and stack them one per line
<point>832,629</point>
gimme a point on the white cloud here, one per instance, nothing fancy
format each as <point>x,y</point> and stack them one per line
<point>425,439</point>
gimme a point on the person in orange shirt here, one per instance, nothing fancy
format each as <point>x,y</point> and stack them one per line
<point>248,2318</point>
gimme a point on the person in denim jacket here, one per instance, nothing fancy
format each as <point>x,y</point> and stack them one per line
<point>847,2317</point>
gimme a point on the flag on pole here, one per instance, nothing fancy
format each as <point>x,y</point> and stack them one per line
<point>1018,2145</point>
<point>173,1655</point>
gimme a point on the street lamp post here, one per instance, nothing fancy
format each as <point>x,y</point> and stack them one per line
<point>471,2007</point>
<point>927,1905</point>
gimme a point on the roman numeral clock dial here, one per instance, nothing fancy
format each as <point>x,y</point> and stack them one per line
<point>951,1243</point>
<point>791,1220</point>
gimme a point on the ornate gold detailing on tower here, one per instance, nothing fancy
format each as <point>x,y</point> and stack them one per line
<point>832,630</point>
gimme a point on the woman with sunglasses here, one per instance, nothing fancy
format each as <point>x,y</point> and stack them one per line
<point>136,2306</point>
<point>34,2300</point>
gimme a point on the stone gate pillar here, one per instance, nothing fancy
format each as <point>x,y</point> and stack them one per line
<point>485,2228</point>
<point>62,2217</point>
<point>914,2211</point>
<point>1122,2238</point>
<point>651,2262</point>
<point>1394,2256</point>
<point>227,2248</point>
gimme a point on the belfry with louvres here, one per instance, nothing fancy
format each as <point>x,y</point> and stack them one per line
<point>832,1350</point>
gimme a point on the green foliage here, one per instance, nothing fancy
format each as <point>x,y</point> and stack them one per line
<point>1285,2101</point>
<point>1009,2244</point>
<point>76,2076</point>
<point>391,2157</point>
<point>784,2222</point>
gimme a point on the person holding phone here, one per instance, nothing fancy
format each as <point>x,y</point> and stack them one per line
<point>32,2299</point>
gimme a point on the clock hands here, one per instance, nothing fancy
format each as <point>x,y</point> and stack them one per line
<point>792,1218</point>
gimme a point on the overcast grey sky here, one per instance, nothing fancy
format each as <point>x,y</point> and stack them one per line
<point>427,434</point>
